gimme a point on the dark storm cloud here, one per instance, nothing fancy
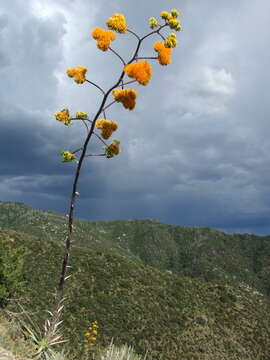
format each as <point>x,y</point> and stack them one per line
<point>195,149</point>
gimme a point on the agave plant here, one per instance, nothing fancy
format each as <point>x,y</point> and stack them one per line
<point>42,340</point>
<point>123,352</point>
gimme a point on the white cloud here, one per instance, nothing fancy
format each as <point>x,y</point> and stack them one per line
<point>217,81</point>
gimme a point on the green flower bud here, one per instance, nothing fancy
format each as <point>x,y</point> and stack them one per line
<point>175,13</point>
<point>81,115</point>
<point>171,41</point>
<point>153,22</point>
<point>66,156</point>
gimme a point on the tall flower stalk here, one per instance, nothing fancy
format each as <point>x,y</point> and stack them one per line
<point>140,70</point>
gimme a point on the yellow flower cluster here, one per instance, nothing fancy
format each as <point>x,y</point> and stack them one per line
<point>107,127</point>
<point>166,15</point>
<point>63,116</point>
<point>163,53</point>
<point>81,115</point>
<point>67,156</point>
<point>153,22</point>
<point>112,149</point>
<point>126,96</point>
<point>171,41</point>
<point>78,73</point>
<point>141,71</point>
<point>91,334</point>
<point>118,23</point>
<point>103,37</point>
<point>171,18</point>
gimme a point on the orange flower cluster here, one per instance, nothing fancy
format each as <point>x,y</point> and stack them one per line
<point>78,73</point>
<point>163,53</point>
<point>113,149</point>
<point>103,37</point>
<point>141,71</point>
<point>107,127</point>
<point>118,23</point>
<point>126,96</point>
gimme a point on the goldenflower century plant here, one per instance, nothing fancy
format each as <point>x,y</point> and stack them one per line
<point>139,69</point>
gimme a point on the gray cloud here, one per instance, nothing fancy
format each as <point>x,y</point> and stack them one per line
<point>195,149</point>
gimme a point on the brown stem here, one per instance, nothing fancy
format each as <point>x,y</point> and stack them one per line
<point>74,193</point>
<point>100,138</point>
<point>95,155</point>
<point>87,128</point>
<point>106,107</point>
<point>128,82</point>
<point>74,152</point>
<point>133,33</point>
<point>163,38</point>
<point>146,57</point>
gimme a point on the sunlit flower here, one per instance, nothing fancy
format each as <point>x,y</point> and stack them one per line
<point>165,15</point>
<point>126,96</point>
<point>118,23</point>
<point>63,116</point>
<point>141,71</point>
<point>163,53</point>
<point>103,37</point>
<point>67,156</point>
<point>78,73</point>
<point>112,149</point>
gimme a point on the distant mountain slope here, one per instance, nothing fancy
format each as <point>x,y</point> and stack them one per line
<point>198,252</point>
<point>171,315</point>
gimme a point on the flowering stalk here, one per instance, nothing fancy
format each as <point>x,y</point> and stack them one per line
<point>140,72</point>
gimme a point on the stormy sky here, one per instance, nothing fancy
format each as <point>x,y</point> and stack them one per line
<point>195,150</point>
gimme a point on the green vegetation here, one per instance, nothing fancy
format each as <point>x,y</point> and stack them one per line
<point>11,270</point>
<point>147,306</point>
<point>196,252</point>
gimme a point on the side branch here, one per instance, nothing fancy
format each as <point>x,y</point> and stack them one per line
<point>118,56</point>
<point>87,155</point>
<point>133,33</point>
<point>106,107</point>
<point>90,82</point>
<point>146,57</point>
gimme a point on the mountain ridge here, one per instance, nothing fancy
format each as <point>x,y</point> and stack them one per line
<point>171,315</point>
<point>196,252</point>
